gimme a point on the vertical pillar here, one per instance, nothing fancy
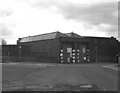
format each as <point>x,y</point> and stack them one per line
<point>73,55</point>
<point>8,55</point>
<point>61,54</point>
<point>88,55</point>
<point>19,53</point>
<point>96,56</point>
<point>96,51</point>
<point>76,48</point>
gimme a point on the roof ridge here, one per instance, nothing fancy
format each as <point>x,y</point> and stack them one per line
<point>59,34</point>
<point>45,36</point>
<point>39,34</point>
<point>72,34</point>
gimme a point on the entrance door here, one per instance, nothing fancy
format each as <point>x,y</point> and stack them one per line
<point>81,53</point>
<point>67,54</point>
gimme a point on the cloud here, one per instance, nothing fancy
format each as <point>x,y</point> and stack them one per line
<point>43,3</point>
<point>4,13</point>
<point>94,15</point>
<point>31,17</point>
<point>5,31</point>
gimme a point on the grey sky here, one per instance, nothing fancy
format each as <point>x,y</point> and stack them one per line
<point>98,17</point>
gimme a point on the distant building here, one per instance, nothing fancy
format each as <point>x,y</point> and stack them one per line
<point>60,47</point>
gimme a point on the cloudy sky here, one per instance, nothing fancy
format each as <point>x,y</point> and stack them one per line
<point>21,18</point>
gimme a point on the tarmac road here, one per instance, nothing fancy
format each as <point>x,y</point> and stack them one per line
<point>59,77</point>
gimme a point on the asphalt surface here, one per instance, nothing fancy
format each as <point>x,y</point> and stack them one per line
<point>63,77</point>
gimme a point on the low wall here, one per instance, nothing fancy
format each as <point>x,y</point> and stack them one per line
<point>50,59</point>
<point>9,59</point>
<point>6,59</point>
<point>28,59</point>
<point>47,59</point>
<point>107,59</point>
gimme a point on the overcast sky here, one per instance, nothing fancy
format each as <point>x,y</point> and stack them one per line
<point>21,18</point>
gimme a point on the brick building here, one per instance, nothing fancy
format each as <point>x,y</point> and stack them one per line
<point>67,48</point>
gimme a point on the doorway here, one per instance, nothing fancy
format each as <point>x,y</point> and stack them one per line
<point>81,53</point>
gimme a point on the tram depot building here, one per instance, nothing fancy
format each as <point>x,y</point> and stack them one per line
<point>57,47</point>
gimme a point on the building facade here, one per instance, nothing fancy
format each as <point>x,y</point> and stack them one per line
<point>60,47</point>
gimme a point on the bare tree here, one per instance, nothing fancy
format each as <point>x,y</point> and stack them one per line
<point>3,42</point>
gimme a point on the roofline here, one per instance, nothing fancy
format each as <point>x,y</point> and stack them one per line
<point>39,40</point>
<point>68,36</point>
<point>98,37</point>
<point>41,34</point>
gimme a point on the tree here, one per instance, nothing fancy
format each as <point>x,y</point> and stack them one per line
<point>3,42</point>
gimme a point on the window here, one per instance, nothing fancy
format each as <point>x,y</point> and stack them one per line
<point>61,50</point>
<point>84,50</point>
<point>69,50</point>
<point>61,54</point>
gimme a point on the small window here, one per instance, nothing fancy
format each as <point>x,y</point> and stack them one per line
<point>73,50</point>
<point>61,50</point>
<point>61,54</point>
<point>69,50</point>
<point>73,57</point>
<point>73,54</point>
<point>84,50</point>
<point>73,61</point>
<point>84,58</point>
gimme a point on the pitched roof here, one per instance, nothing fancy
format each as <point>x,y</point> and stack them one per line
<point>73,35</point>
<point>46,36</point>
